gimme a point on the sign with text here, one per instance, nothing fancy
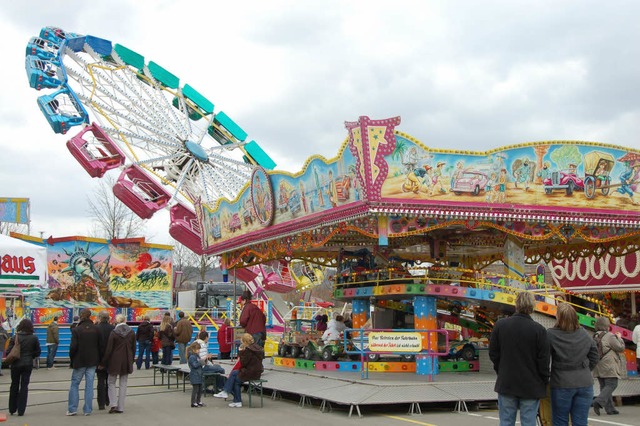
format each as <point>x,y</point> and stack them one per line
<point>395,342</point>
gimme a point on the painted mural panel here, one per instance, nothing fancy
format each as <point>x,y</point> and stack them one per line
<point>92,273</point>
<point>14,210</point>
<point>321,186</point>
<point>565,174</point>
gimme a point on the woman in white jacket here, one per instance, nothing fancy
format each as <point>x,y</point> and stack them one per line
<point>335,328</point>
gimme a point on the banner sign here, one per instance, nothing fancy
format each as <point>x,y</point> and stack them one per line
<point>22,263</point>
<point>14,210</point>
<point>395,342</point>
<point>136,314</point>
<point>45,315</point>
<point>598,273</point>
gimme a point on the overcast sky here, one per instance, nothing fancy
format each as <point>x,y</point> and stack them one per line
<point>461,74</point>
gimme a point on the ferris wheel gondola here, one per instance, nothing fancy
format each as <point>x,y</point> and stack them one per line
<point>173,150</point>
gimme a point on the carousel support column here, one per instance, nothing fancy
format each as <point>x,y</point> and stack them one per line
<point>514,262</point>
<point>425,319</point>
<point>469,263</point>
<point>359,312</point>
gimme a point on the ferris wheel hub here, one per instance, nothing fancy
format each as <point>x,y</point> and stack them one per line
<point>197,151</point>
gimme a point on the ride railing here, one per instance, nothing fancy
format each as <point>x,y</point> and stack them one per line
<point>214,316</point>
<point>437,275</point>
<point>306,311</point>
<point>373,343</point>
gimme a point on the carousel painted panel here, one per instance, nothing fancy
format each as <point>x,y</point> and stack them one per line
<point>94,273</point>
<point>275,198</point>
<point>553,174</point>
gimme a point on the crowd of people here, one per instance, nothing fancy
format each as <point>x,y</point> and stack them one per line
<point>107,349</point>
<point>560,363</point>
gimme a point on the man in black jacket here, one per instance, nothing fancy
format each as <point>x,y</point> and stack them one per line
<point>84,352</point>
<point>105,328</point>
<point>519,350</point>
<point>144,336</point>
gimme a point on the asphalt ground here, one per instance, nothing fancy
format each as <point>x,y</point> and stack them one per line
<point>149,404</point>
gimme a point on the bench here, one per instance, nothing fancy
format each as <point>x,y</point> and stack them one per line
<point>185,375</point>
<point>255,386</point>
<point>209,378</point>
<point>168,370</point>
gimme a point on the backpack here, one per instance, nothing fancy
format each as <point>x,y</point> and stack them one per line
<point>598,339</point>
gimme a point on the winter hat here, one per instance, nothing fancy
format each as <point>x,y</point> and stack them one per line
<point>602,324</point>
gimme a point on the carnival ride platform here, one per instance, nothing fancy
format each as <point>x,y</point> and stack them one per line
<point>349,390</point>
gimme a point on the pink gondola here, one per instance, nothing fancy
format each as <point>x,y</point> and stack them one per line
<point>185,228</point>
<point>139,192</point>
<point>95,151</point>
<point>276,277</point>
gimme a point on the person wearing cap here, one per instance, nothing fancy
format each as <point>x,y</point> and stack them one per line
<point>611,367</point>
<point>53,339</point>
<point>105,327</point>
<point>252,319</point>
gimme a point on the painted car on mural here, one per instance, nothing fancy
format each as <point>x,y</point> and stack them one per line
<point>247,212</point>
<point>566,180</point>
<point>472,181</point>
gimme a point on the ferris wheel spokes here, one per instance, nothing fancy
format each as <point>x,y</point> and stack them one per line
<point>173,149</point>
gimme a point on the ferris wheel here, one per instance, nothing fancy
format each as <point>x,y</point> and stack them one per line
<point>172,149</point>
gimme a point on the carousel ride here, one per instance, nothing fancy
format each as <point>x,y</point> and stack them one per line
<point>403,225</point>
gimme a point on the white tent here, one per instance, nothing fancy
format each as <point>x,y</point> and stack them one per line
<point>22,264</point>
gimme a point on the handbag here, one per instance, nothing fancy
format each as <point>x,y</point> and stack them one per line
<point>14,354</point>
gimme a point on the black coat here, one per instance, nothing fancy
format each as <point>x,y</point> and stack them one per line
<point>86,345</point>
<point>29,349</point>
<point>519,350</point>
<point>105,330</point>
<point>145,332</point>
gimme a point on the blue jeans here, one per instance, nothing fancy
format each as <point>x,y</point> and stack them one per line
<point>182,352</point>
<point>233,386</point>
<point>52,349</point>
<point>74,391</point>
<point>574,401</point>
<point>144,347</point>
<point>167,355</point>
<point>508,408</point>
<point>259,338</point>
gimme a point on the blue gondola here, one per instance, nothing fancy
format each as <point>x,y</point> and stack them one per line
<point>55,34</point>
<point>43,49</point>
<point>41,73</point>
<point>63,110</point>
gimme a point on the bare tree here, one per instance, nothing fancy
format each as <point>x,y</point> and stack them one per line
<point>111,218</point>
<point>206,263</point>
<point>194,267</point>
<point>185,261</point>
<point>7,227</point>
